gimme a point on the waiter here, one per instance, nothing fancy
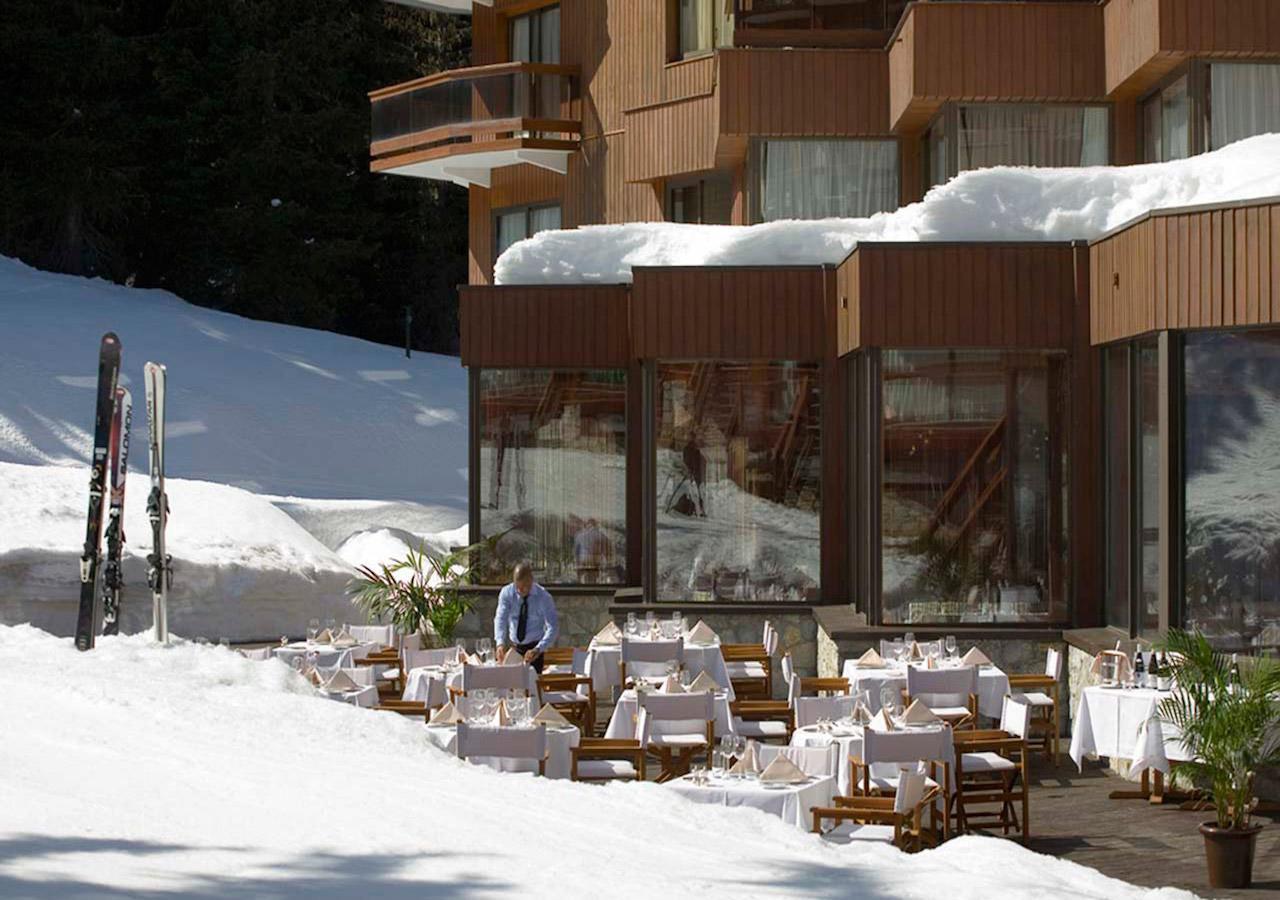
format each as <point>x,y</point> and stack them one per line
<point>526,621</point>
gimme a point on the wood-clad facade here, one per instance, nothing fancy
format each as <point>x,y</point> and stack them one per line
<point>879,430</point>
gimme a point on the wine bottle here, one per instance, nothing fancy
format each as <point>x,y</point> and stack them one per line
<point>1234,677</point>
<point>1165,681</point>
<point>1139,670</point>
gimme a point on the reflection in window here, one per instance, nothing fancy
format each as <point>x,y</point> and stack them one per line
<point>518,224</point>
<point>701,201</point>
<point>1242,101</point>
<point>704,25</point>
<point>817,179</point>
<point>1232,513</point>
<point>553,472</point>
<point>1015,134</point>
<point>973,503</point>
<point>1148,431</point>
<point>1166,123</point>
<point>738,480</point>
<point>1117,472</point>
<point>936,151</point>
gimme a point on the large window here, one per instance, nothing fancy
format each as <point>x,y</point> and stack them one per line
<point>818,179</point>
<point>972,496</point>
<point>553,472</point>
<point>738,480</point>
<point>707,200</point>
<point>702,25</point>
<point>1118,479</point>
<point>535,36</point>
<point>1231,571</point>
<point>1244,100</point>
<point>1148,450</point>
<point>517,224</point>
<point>980,135</point>
<point>1166,123</point>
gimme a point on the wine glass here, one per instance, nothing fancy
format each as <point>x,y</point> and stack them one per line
<point>313,630</point>
<point>951,645</point>
<point>331,626</point>
<point>484,647</point>
<point>461,645</point>
<point>889,699</point>
<point>631,623</point>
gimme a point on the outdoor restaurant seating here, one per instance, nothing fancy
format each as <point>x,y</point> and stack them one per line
<point>769,720</point>
<point>750,666</point>
<point>819,686</point>
<point>1041,692</point>
<point>951,694</point>
<point>605,759</point>
<point>497,743</point>
<point>812,710</point>
<point>648,659</point>
<point>892,820</point>
<point>876,772</point>
<point>571,694</point>
<point>991,770</point>
<point>501,678</point>
<point>676,727</point>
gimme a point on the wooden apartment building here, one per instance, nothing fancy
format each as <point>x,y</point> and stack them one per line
<point>1002,438</point>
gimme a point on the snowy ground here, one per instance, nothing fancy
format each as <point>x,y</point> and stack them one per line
<point>293,455</point>
<point>209,775</point>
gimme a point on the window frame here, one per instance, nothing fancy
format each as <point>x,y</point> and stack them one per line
<point>535,17</point>
<point>699,182</point>
<point>525,208</point>
<point>753,172</point>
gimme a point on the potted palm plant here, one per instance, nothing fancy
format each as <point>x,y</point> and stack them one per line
<point>420,593</point>
<point>1230,723</point>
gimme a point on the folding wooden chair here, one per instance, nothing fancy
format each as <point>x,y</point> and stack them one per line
<point>877,771</point>
<point>897,819</point>
<point>648,659</point>
<point>676,727</point>
<point>497,743</point>
<point>501,678</point>
<point>817,687</point>
<point>1041,693</point>
<point>768,720</point>
<point>564,691</point>
<point>952,694</point>
<point>991,770</point>
<point>604,759</point>
<point>750,666</point>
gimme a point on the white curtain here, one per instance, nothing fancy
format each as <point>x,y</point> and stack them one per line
<point>1244,100</point>
<point>806,179</point>
<point>1010,134</point>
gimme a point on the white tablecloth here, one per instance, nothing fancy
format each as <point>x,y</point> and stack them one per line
<point>790,803</point>
<point>602,666</point>
<point>326,657</point>
<point>1125,724</point>
<point>851,747</point>
<point>429,684</point>
<point>365,696</point>
<point>560,742</point>
<point>623,724</point>
<point>993,684</point>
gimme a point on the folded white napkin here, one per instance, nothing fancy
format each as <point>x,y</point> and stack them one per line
<point>919,714</point>
<point>503,717</point>
<point>975,657</point>
<point>549,715</point>
<point>750,762</point>
<point>324,637</point>
<point>702,634</point>
<point>344,639</point>
<point>609,635</point>
<point>671,685</point>
<point>860,715</point>
<point>314,677</point>
<point>446,715</point>
<point>782,771</point>
<point>870,660</point>
<point>881,721</point>
<point>702,683</point>
<point>340,681</point>
<point>513,658</point>
<point>916,651</point>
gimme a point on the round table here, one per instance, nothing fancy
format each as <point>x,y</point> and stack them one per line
<point>993,684</point>
<point>560,743</point>
<point>604,659</point>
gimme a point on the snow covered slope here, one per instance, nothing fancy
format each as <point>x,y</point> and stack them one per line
<point>190,771</point>
<point>270,408</point>
<point>996,204</point>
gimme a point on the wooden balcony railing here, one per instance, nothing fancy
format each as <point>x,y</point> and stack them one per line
<point>475,106</point>
<point>807,15</point>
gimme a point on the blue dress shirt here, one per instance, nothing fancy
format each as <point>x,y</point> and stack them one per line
<point>541,625</point>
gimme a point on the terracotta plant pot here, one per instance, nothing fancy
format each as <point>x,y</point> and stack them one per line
<point>1229,853</point>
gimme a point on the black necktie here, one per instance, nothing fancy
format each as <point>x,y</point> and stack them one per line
<point>522,620</point>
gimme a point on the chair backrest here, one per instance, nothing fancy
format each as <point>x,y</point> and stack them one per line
<point>360,651</point>
<point>821,762</point>
<point>771,645</point>
<point>899,747</point>
<point>511,678</point>
<point>678,707</point>
<point>793,690</point>
<point>942,687</point>
<point>910,791</point>
<point>1053,664</point>
<point>788,669</point>
<point>261,653</point>
<point>1015,716</point>
<point>810,709</point>
<point>768,630</point>
<point>410,642</point>
<point>415,659</point>
<point>502,743</point>
<point>382,635</point>
<point>649,658</point>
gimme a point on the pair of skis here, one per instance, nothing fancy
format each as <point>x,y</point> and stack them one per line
<point>109,468</point>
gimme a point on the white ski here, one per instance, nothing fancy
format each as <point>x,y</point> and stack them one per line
<point>160,570</point>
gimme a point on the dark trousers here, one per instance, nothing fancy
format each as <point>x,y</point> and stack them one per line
<point>522,649</point>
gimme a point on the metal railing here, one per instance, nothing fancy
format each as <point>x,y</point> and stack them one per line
<point>461,103</point>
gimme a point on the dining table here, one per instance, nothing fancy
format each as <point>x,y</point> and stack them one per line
<point>939,745</point>
<point>366,697</point>
<point>993,683</point>
<point>561,739</point>
<point>603,665</point>
<point>789,802</point>
<point>430,684</point>
<point>326,655</point>
<point>624,723</point>
<point>1122,723</point>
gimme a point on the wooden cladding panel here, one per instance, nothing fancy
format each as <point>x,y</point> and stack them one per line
<point>804,92</point>
<point>672,138</point>
<point>1216,268</point>
<point>995,52</point>
<point>957,295</point>
<point>730,313</point>
<point>580,326</point>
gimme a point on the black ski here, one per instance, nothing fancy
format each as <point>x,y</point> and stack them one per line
<point>117,475</point>
<point>108,375</point>
<point>159,571</point>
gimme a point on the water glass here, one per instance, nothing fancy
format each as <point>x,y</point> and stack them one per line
<point>909,638</point>
<point>649,618</point>
<point>461,645</point>
<point>951,645</point>
<point>889,699</point>
<point>313,630</point>
<point>332,625</point>
<point>484,648</point>
<point>631,623</point>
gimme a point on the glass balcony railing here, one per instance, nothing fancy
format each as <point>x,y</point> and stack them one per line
<point>810,15</point>
<point>513,99</point>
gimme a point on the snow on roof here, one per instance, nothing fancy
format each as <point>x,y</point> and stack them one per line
<point>1004,203</point>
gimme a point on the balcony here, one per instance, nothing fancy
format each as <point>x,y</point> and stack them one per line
<point>462,124</point>
<point>815,23</point>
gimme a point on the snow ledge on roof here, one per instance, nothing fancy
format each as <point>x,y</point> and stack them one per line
<point>1004,203</point>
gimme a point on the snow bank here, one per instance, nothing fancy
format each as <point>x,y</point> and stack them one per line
<point>270,408</point>
<point>998,204</point>
<point>243,569</point>
<point>190,771</point>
